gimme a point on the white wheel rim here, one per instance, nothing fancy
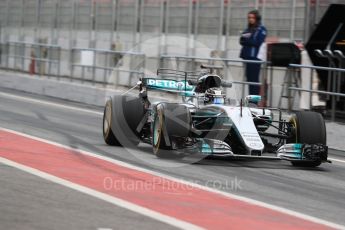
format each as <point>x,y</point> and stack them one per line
<point>107,119</point>
<point>156,132</point>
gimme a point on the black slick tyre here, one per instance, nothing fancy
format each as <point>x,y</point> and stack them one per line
<point>308,128</point>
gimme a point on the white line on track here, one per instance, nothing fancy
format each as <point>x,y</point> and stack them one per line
<point>229,195</point>
<point>336,160</point>
<point>43,102</point>
<point>113,200</point>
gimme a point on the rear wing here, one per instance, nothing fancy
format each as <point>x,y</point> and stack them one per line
<point>170,80</point>
<point>168,85</point>
<point>179,74</point>
<point>187,82</point>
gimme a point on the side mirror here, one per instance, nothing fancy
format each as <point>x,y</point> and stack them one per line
<point>255,99</point>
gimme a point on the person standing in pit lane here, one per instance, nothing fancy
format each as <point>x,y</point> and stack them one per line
<point>252,41</point>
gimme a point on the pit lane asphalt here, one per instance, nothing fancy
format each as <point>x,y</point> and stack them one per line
<point>29,202</point>
<point>318,192</point>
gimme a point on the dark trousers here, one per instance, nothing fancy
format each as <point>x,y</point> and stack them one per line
<point>253,74</point>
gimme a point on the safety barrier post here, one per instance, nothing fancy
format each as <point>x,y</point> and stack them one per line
<point>49,63</point>
<point>333,98</point>
<point>71,64</point>
<point>106,72</point>
<point>23,55</point>
<point>311,88</point>
<point>289,92</point>
<point>264,84</point>
<point>59,63</point>
<point>38,61</point>
<point>93,67</point>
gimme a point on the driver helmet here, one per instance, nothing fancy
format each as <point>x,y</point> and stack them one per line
<point>214,96</point>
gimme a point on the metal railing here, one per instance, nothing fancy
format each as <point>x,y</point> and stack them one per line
<point>333,89</point>
<point>86,64</point>
<point>117,68</point>
<point>190,63</point>
<point>106,66</point>
<point>35,58</point>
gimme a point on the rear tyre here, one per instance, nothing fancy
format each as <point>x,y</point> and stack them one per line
<point>122,115</point>
<point>308,128</point>
<point>108,134</point>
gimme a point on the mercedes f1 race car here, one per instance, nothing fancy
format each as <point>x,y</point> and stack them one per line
<point>208,123</point>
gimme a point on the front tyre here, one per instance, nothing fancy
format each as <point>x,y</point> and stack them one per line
<point>160,147</point>
<point>171,121</point>
<point>308,128</point>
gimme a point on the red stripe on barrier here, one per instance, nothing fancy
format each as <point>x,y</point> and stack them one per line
<point>194,205</point>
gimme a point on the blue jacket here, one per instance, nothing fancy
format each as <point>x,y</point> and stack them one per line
<point>251,41</point>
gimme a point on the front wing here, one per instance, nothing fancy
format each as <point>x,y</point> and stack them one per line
<point>289,152</point>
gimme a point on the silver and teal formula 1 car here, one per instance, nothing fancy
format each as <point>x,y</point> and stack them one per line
<point>205,122</point>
